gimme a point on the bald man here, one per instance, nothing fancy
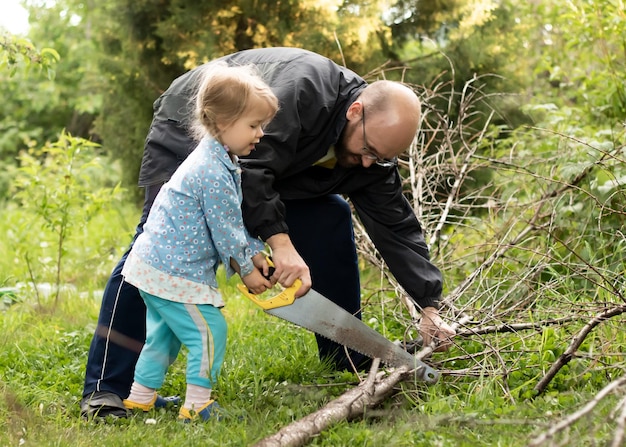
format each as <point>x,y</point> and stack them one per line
<point>334,136</point>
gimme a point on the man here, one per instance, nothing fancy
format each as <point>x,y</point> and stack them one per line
<point>319,145</point>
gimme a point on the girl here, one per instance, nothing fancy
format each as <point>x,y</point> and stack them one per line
<point>194,226</point>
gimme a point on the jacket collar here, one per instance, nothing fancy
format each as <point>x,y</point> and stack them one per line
<point>220,152</point>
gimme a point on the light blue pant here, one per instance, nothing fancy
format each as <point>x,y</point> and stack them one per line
<point>200,327</point>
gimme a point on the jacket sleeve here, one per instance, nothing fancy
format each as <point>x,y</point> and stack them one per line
<point>223,219</point>
<point>276,156</point>
<point>393,227</point>
<point>313,93</point>
<point>263,210</point>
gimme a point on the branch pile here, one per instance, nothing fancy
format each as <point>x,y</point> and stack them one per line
<point>532,247</point>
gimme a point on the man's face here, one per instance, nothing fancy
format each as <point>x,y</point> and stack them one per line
<point>355,149</point>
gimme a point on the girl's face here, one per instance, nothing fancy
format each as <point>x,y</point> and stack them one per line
<point>242,135</point>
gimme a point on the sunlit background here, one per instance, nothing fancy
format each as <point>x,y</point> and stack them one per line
<point>13,17</point>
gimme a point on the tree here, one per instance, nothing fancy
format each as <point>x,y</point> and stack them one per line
<point>19,55</point>
<point>38,107</point>
<point>146,44</point>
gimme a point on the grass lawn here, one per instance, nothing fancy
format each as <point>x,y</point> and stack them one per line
<point>270,378</point>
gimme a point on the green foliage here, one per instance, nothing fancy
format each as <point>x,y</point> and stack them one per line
<point>56,185</point>
<point>18,52</point>
<point>66,26</point>
<point>18,55</point>
<point>39,108</point>
<point>271,377</point>
<point>582,55</point>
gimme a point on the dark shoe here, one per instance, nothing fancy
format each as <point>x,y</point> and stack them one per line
<point>101,404</point>
<point>164,402</point>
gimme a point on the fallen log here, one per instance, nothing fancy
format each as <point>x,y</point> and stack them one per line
<point>352,404</point>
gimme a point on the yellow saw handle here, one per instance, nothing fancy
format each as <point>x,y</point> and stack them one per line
<point>284,298</point>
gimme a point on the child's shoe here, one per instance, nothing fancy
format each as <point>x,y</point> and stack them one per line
<point>156,402</point>
<point>163,402</point>
<point>210,410</point>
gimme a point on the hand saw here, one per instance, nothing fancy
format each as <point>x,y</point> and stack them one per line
<point>317,313</point>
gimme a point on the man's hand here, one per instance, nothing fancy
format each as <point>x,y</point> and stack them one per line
<point>289,264</point>
<point>432,327</point>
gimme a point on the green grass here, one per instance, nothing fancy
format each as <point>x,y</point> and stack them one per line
<point>271,377</point>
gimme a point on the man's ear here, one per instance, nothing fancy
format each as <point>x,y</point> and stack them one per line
<point>355,111</point>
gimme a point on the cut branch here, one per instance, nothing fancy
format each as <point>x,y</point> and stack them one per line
<point>349,405</point>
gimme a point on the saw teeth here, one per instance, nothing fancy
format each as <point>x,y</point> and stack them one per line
<point>339,342</point>
<point>321,316</point>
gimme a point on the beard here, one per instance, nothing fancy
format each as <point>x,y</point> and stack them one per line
<point>344,158</point>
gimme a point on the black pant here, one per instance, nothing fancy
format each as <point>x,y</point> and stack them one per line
<point>321,230</point>
<point>121,330</point>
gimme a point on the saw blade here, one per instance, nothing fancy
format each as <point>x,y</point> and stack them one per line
<point>317,313</point>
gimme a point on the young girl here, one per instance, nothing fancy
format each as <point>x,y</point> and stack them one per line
<point>194,225</point>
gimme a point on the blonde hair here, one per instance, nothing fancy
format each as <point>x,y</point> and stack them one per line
<point>225,93</point>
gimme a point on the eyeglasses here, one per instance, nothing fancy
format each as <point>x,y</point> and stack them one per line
<point>368,153</point>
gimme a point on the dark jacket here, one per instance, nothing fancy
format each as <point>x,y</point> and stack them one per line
<point>314,95</point>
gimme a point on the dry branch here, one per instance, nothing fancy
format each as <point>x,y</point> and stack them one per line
<point>618,439</point>
<point>350,405</point>
<point>568,421</point>
<point>575,344</point>
<point>512,327</point>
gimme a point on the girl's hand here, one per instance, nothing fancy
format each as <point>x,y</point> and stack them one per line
<point>260,261</point>
<point>256,282</point>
